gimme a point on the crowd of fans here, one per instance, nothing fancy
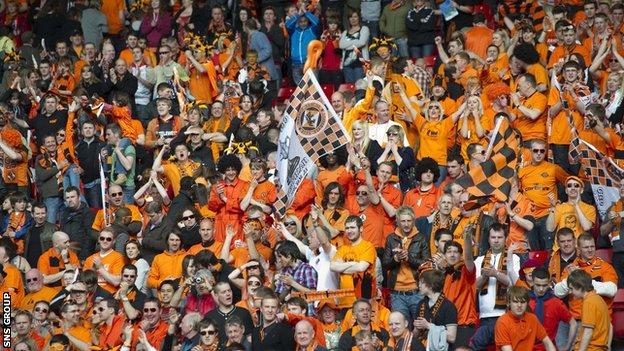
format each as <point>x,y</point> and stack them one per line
<point>138,151</point>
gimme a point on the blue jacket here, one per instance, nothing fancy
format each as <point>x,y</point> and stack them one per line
<point>300,38</point>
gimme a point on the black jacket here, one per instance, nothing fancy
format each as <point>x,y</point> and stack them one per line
<point>417,253</point>
<point>420,27</point>
<point>73,223</point>
<point>155,239</point>
<point>87,155</point>
<point>347,339</point>
<point>277,337</point>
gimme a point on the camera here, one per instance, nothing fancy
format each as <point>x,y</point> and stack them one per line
<point>197,280</point>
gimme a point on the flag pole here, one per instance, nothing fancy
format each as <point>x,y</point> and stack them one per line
<point>103,190</point>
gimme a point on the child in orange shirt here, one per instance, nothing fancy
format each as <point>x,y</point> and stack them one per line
<point>596,329</point>
<point>518,329</point>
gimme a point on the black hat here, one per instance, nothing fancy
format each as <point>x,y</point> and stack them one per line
<point>75,32</point>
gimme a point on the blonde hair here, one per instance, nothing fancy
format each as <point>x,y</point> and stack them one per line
<point>399,130</point>
<point>505,36</point>
<point>436,103</point>
<point>362,124</point>
<point>479,103</point>
<point>294,218</point>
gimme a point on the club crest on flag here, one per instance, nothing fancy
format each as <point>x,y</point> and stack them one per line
<point>310,129</point>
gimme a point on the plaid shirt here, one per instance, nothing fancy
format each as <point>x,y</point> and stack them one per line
<point>423,77</point>
<point>303,274</point>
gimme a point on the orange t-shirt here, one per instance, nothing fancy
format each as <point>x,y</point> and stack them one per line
<point>113,262</point>
<point>98,221</point>
<point>112,9</point>
<point>165,265</point>
<point>600,271</point>
<point>520,333</point>
<point>228,213</point>
<point>529,128</point>
<point>595,315</point>
<point>560,133</point>
<point>51,262</point>
<point>537,182</point>
<point>565,217</point>
<point>561,52</point>
<point>478,39</point>
<point>362,251</point>
<point>434,138</point>
<point>241,254</point>
<point>203,86</point>
<point>373,218</point>
<point>45,294</point>
<point>461,291</point>
<point>215,248</point>
<point>423,203</point>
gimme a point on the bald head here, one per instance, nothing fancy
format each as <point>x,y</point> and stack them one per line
<point>304,333</point>
<point>34,280</point>
<point>397,323</point>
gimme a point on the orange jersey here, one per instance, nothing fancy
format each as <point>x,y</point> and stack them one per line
<point>362,251</point>
<point>166,265</point>
<point>434,138</point>
<point>600,271</point>
<point>565,217</point>
<point>594,315</point>
<point>459,288</point>
<point>203,86</point>
<point>422,202</point>
<point>228,213</point>
<point>99,223</point>
<point>519,333</point>
<point>537,182</point>
<point>112,262</point>
<point>529,128</point>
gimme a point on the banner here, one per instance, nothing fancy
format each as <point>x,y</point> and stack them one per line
<point>493,177</point>
<point>603,174</point>
<point>310,129</point>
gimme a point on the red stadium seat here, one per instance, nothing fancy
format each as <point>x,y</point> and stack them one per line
<point>346,87</point>
<point>618,314</point>
<point>540,256</point>
<point>430,61</point>
<point>605,254</point>
<point>328,89</point>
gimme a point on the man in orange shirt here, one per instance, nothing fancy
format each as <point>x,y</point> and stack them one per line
<point>355,262</point>
<point>596,330</point>
<point>479,36</point>
<point>538,182</point>
<point>529,114</point>
<point>424,198</point>
<point>574,214</point>
<point>78,335</point>
<point>564,256</point>
<point>261,191</point>
<point>115,15</point>
<point>367,207</point>
<point>226,196</point>
<point>152,325</point>
<point>182,167</point>
<point>112,324</point>
<point>107,263</point>
<point>569,45</point>
<point>36,290</point>
<point>604,279</point>
<point>251,249</point>
<point>459,287</point>
<point>206,231</point>
<point>54,262</point>
<point>7,287</point>
<point>518,329</point>
<point>116,201</point>
<point>167,265</point>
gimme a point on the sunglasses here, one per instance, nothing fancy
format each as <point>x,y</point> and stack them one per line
<point>574,185</point>
<point>209,332</point>
<point>32,280</point>
<point>186,218</point>
<point>106,238</point>
<point>129,276</point>
<point>60,133</point>
<point>363,193</point>
<point>392,134</point>
<point>163,52</point>
<point>290,224</point>
<point>116,194</point>
<point>539,151</point>
<point>253,283</point>
<point>42,310</point>
<point>152,310</point>
<point>78,292</point>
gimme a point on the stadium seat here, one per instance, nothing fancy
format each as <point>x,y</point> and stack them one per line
<point>430,61</point>
<point>618,314</point>
<point>540,256</point>
<point>605,254</point>
<point>346,87</point>
<point>328,89</point>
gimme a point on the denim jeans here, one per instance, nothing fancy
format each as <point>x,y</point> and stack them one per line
<point>402,46</point>
<point>128,194</point>
<point>484,336</point>
<point>71,178</point>
<point>539,238</point>
<point>562,334</point>
<point>53,205</point>
<point>419,51</point>
<point>93,194</point>
<point>352,74</point>
<point>406,304</point>
<point>296,73</point>
<point>373,27</point>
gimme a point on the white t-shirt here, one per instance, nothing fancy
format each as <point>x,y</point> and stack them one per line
<point>378,132</point>
<point>487,301</point>
<point>327,280</point>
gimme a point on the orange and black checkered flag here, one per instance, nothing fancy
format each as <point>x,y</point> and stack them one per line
<point>492,178</point>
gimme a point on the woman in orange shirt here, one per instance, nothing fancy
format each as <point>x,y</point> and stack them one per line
<point>470,127</point>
